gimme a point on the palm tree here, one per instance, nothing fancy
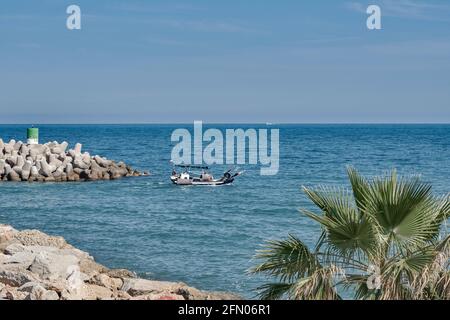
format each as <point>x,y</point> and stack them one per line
<point>384,239</point>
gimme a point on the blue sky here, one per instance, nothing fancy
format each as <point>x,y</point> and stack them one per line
<point>224,61</point>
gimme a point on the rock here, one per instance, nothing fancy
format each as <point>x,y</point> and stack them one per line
<point>121,273</point>
<point>52,266</point>
<point>46,169</point>
<point>2,165</point>
<point>15,276</point>
<point>190,293</point>
<point>8,148</point>
<point>102,162</point>
<point>10,293</point>
<point>104,281</point>
<point>122,295</point>
<point>20,162</point>
<point>50,295</point>
<point>38,238</point>
<point>13,247</point>
<point>96,292</point>
<point>14,176</point>
<point>118,283</point>
<point>18,170</point>
<point>7,169</point>
<point>64,146</point>
<point>54,162</point>
<point>26,170</point>
<point>85,174</point>
<point>23,259</point>
<point>17,145</point>
<point>3,258</point>
<point>159,296</point>
<point>78,163</point>
<point>137,287</point>
<point>91,268</point>
<point>78,147</point>
<point>24,150</point>
<point>37,292</point>
<point>69,169</point>
<point>34,171</point>
<point>6,233</point>
<point>58,172</point>
<point>86,157</point>
<point>28,287</point>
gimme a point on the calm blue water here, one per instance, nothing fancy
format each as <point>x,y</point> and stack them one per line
<point>207,236</point>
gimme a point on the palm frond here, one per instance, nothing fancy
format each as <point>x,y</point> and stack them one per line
<point>320,285</point>
<point>347,232</point>
<point>404,210</point>
<point>274,291</point>
<point>287,260</point>
<point>360,188</point>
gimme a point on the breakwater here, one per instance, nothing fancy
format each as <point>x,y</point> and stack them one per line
<point>52,162</point>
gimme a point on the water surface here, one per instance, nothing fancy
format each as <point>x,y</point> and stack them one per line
<point>206,236</point>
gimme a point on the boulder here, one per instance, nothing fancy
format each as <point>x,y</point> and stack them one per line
<point>12,247</point>
<point>78,147</point>
<point>26,170</point>
<point>137,287</point>
<point>102,162</point>
<point>52,266</point>
<point>2,166</point>
<point>107,282</point>
<point>8,148</point>
<point>46,170</point>
<point>6,233</point>
<point>58,172</point>
<point>24,150</point>
<point>38,238</point>
<point>78,163</point>
<point>11,293</point>
<point>34,172</point>
<point>17,145</point>
<point>13,176</point>
<point>96,292</point>
<point>15,276</point>
<point>20,161</point>
<point>69,169</point>
<point>23,259</point>
<point>86,157</point>
<point>7,169</point>
<point>121,273</point>
<point>37,292</point>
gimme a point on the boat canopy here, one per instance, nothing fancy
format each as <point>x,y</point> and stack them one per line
<point>191,166</point>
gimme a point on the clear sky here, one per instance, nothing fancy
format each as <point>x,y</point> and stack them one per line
<point>224,61</point>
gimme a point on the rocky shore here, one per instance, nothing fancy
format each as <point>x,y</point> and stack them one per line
<point>36,266</point>
<point>51,162</point>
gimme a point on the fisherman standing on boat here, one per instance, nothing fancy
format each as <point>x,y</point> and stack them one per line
<point>205,176</point>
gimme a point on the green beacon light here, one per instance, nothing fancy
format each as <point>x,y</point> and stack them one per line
<point>33,136</point>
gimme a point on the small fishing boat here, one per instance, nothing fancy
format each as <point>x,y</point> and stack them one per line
<point>204,178</point>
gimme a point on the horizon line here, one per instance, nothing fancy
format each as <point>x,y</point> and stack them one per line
<point>222,123</point>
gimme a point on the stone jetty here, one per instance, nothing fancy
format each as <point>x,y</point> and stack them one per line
<point>52,162</point>
<point>37,266</point>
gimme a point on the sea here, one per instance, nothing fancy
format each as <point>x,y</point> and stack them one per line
<point>207,236</point>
